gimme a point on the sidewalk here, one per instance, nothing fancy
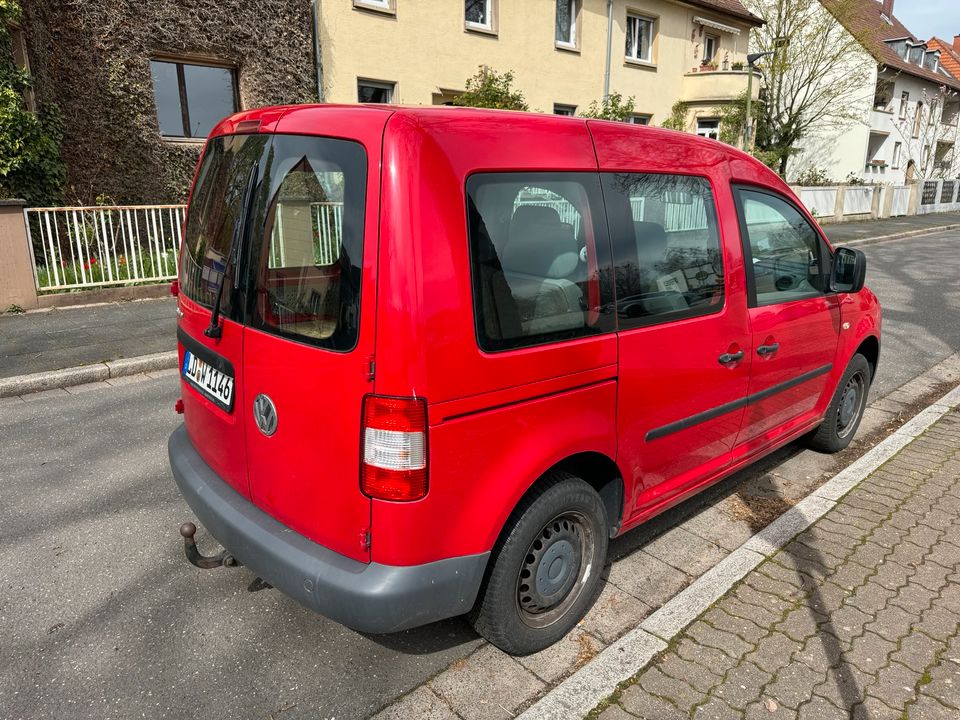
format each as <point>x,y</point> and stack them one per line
<point>858,616</point>
<point>70,337</point>
<point>841,233</point>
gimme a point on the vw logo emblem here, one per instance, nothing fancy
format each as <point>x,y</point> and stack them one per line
<point>265,414</point>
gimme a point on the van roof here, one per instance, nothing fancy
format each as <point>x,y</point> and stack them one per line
<point>268,117</point>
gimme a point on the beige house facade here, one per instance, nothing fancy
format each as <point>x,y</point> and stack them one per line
<point>421,52</point>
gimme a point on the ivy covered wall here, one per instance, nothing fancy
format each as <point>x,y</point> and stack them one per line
<point>92,59</point>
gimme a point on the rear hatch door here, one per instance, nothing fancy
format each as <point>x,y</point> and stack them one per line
<point>211,365</point>
<point>308,341</point>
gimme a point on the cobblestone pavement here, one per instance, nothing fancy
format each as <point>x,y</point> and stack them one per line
<point>858,616</point>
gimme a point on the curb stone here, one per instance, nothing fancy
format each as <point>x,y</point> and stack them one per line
<point>98,372</point>
<point>585,689</point>
<point>856,242</point>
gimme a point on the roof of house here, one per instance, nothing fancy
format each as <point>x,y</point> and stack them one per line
<point>729,7</point>
<point>864,20</point>
<point>949,58</point>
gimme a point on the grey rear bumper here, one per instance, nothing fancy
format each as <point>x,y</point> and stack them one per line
<point>368,597</point>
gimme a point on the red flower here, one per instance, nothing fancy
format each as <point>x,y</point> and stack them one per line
<point>93,261</point>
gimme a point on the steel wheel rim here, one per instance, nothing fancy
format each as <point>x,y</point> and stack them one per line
<point>851,402</point>
<point>555,569</point>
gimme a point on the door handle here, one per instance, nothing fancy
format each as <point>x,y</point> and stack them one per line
<point>730,358</point>
<point>768,349</point>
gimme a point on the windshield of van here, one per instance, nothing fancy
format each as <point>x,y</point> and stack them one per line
<point>299,264</point>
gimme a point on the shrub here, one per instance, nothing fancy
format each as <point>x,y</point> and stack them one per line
<point>490,89</point>
<point>30,163</point>
<point>612,107</point>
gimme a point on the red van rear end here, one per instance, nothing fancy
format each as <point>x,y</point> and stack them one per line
<point>433,359</point>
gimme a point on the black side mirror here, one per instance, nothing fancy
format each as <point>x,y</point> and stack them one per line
<point>849,270</point>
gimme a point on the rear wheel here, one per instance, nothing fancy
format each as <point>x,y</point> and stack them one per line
<point>545,572</point>
<point>845,410</point>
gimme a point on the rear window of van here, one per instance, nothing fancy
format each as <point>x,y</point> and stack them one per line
<point>539,258</point>
<point>279,220</point>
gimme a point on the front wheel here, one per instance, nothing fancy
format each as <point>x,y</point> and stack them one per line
<point>545,571</point>
<point>845,410</point>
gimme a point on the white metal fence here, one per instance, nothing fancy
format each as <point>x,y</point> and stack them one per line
<point>89,247</point>
<point>327,230</point>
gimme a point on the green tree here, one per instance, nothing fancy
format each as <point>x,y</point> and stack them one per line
<point>612,107</point>
<point>490,89</point>
<point>30,164</point>
<point>816,73</point>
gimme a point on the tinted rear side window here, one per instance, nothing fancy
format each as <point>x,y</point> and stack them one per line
<point>666,245</point>
<point>305,264</point>
<point>539,256</point>
<point>284,214</point>
<point>216,211</point>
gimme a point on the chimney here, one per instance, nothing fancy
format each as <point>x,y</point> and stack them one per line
<point>956,43</point>
<point>888,8</point>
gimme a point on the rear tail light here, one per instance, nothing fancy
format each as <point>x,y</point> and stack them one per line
<point>394,463</point>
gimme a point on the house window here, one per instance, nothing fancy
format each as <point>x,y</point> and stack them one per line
<point>708,129</point>
<point>371,91</point>
<point>569,110</point>
<point>387,6</point>
<point>479,14</point>
<point>917,119</point>
<point>639,119</point>
<point>926,158</point>
<point>191,98</point>
<point>639,38</point>
<point>904,100</point>
<point>883,94</point>
<point>897,154</point>
<point>710,45</point>
<point>566,31</point>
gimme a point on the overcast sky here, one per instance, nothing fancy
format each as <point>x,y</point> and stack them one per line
<point>926,18</point>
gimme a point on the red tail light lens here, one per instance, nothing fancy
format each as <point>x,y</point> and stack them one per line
<point>394,463</point>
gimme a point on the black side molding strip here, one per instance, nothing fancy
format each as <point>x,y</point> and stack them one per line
<point>706,415</point>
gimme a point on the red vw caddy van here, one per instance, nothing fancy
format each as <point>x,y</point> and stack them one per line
<point>433,359</point>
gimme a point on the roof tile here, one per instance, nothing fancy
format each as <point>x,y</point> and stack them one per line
<point>865,21</point>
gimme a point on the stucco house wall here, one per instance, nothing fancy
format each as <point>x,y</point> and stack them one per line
<point>426,51</point>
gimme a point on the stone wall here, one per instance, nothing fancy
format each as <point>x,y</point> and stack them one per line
<point>92,59</point>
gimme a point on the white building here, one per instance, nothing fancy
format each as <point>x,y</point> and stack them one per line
<point>908,130</point>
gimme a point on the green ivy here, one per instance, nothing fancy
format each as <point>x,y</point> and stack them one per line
<point>678,116</point>
<point>30,163</point>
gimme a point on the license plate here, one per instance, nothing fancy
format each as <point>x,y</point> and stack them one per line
<point>214,385</point>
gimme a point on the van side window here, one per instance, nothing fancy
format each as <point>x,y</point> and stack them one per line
<point>666,247</point>
<point>783,253</point>
<point>539,251</point>
<point>308,264</point>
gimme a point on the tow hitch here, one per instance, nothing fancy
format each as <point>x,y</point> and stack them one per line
<point>205,562</point>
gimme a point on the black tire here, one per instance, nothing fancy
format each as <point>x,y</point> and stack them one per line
<point>556,539</point>
<point>845,410</point>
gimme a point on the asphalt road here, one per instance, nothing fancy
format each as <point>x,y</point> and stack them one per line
<point>918,283</point>
<point>101,616</point>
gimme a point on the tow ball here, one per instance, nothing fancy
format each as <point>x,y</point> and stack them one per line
<point>205,562</point>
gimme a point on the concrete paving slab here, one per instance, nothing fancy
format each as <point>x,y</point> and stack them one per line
<point>488,685</point>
